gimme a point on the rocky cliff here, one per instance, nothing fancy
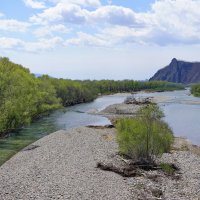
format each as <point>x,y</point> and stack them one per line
<point>179,72</point>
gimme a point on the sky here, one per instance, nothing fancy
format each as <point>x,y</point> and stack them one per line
<point>99,39</point>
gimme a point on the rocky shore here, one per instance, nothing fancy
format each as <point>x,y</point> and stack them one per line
<point>63,165</point>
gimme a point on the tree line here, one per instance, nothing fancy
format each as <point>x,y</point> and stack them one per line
<point>24,97</point>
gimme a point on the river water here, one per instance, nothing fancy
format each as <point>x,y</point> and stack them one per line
<point>182,112</point>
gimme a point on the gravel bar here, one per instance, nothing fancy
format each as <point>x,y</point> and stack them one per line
<point>62,165</point>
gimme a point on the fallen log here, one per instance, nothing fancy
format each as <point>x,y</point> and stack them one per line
<point>123,171</point>
<point>101,127</point>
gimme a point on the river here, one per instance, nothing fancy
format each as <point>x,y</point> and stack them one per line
<point>66,118</point>
<point>181,109</point>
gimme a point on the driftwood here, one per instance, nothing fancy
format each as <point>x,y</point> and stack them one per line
<point>101,127</point>
<point>127,167</point>
<point>144,165</point>
<point>133,100</point>
<point>123,171</point>
<point>130,169</point>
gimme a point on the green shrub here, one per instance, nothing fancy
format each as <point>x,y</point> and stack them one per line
<point>145,136</point>
<point>195,90</point>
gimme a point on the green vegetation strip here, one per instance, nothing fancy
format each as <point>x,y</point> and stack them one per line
<point>195,90</point>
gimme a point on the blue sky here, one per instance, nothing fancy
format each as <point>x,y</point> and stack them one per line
<point>99,39</point>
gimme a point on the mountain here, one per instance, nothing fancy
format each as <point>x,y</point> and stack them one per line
<point>179,72</point>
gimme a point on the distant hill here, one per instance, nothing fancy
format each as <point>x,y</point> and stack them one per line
<point>179,72</point>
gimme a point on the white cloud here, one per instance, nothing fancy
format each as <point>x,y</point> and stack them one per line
<point>93,24</point>
<point>109,2</point>
<point>13,25</point>
<point>34,4</point>
<point>42,44</point>
<point>9,43</point>
<point>109,37</point>
<point>124,35</point>
<point>173,22</point>
<point>1,14</point>
<point>168,22</point>
<point>50,30</point>
<point>70,13</point>
<point>74,14</point>
<point>85,39</point>
<point>84,3</point>
<point>114,15</point>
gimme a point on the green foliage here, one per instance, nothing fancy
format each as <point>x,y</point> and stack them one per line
<point>111,86</point>
<point>22,96</point>
<point>195,90</point>
<point>144,136</point>
<point>167,168</point>
<point>71,92</point>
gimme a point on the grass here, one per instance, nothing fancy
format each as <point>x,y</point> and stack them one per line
<point>167,168</point>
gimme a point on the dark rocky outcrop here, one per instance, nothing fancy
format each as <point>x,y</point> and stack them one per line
<point>179,72</point>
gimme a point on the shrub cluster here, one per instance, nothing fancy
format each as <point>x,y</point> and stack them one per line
<point>195,90</point>
<point>145,136</point>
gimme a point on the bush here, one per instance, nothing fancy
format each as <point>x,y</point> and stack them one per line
<point>195,90</point>
<point>145,136</point>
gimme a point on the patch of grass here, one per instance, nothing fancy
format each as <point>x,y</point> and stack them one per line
<point>167,168</point>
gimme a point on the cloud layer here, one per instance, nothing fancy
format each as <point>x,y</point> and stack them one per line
<point>34,4</point>
<point>90,23</point>
<point>13,25</point>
